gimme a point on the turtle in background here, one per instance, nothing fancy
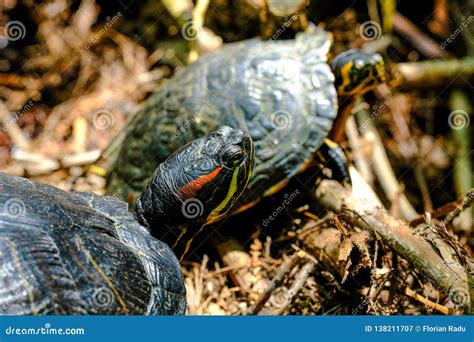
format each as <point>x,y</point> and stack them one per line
<point>283,92</point>
<point>81,253</point>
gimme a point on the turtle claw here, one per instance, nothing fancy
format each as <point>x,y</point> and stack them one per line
<point>332,156</point>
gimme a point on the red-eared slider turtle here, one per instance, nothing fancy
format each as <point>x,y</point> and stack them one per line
<point>283,93</point>
<point>80,253</point>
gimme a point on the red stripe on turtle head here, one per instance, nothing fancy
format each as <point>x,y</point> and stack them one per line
<point>190,189</point>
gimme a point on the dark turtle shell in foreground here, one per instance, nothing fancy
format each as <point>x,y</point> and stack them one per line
<point>80,253</point>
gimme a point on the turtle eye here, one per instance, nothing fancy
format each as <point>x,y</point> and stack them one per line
<point>232,156</point>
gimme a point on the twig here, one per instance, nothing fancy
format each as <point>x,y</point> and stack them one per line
<point>300,279</point>
<point>372,10</point>
<point>423,185</point>
<point>311,226</point>
<point>445,210</point>
<point>234,256</point>
<point>10,126</point>
<point>436,233</point>
<point>225,269</point>
<point>400,108</point>
<point>79,132</point>
<point>199,12</point>
<point>440,21</point>
<point>268,245</point>
<point>78,159</point>
<point>423,43</point>
<point>201,282</point>
<point>283,270</point>
<point>303,254</point>
<point>447,275</point>
<point>465,203</point>
<point>461,134</point>
<point>198,15</point>
<point>441,308</point>
<point>394,281</point>
<point>429,74</point>
<point>459,16</point>
<point>34,163</point>
<point>377,45</point>
<point>384,171</point>
<point>358,156</point>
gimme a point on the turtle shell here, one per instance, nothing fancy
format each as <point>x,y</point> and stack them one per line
<point>281,92</point>
<point>89,256</point>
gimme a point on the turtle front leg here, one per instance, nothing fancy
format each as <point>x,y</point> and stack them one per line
<point>332,156</point>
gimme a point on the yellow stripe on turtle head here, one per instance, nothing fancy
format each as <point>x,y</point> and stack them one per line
<point>380,69</point>
<point>216,213</point>
<point>331,143</point>
<point>345,76</point>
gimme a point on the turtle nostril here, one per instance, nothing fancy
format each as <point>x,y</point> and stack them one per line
<point>245,137</point>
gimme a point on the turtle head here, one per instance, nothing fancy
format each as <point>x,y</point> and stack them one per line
<point>197,185</point>
<point>357,72</point>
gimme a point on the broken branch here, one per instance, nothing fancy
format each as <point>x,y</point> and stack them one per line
<point>365,211</point>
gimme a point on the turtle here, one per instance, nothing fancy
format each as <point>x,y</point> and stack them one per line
<point>82,253</point>
<point>283,92</point>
